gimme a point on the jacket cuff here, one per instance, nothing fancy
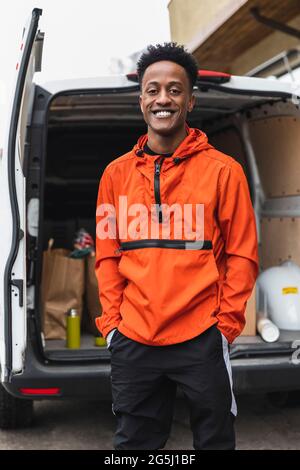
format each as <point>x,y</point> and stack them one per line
<point>229,333</point>
<point>106,329</point>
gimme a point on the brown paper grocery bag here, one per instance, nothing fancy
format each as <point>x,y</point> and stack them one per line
<point>62,289</point>
<point>93,305</point>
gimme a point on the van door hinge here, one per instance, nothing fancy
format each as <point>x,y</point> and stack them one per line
<point>18,283</point>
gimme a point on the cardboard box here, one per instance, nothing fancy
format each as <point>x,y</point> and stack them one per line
<point>250,314</point>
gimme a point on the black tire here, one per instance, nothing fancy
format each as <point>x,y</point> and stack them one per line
<point>14,412</point>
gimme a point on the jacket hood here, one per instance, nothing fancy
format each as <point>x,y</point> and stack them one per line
<point>195,141</point>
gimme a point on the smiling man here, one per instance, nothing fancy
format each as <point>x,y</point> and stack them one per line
<point>173,300</point>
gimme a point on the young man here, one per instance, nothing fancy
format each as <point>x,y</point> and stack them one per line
<point>176,263</point>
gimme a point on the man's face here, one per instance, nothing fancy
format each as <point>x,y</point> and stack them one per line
<point>166,97</point>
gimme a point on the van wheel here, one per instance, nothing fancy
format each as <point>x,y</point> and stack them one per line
<point>14,412</point>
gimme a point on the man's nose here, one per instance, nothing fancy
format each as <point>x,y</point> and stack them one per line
<point>163,98</point>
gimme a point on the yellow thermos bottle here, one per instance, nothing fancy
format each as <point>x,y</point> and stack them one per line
<point>73,329</point>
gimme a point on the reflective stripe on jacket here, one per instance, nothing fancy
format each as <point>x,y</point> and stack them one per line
<point>158,290</point>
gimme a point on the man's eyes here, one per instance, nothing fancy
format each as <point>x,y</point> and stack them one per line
<point>173,91</point>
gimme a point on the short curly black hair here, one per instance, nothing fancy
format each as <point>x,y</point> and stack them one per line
<point>168,51</point>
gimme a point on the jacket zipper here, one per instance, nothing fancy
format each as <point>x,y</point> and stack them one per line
<point>159,243</point>
<point>157,170</point>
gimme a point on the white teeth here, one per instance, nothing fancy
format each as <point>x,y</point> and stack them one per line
<point>163,114</point>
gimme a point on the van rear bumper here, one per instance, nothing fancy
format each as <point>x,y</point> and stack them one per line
<point>92,381</point>
<point>86,381</point>
<point>265,374</point>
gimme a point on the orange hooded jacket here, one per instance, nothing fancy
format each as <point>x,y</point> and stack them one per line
<point>154,288</point>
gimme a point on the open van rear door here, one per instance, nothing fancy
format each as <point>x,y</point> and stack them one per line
<point>13,217</point>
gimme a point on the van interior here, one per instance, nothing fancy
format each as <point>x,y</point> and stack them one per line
<point>86,130</point>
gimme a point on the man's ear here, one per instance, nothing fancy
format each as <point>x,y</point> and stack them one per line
<point>191,104</point>
<point>141,101</point>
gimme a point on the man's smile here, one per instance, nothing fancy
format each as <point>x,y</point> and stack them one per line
<point>163,113</point>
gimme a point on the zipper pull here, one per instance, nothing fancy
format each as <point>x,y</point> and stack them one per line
<point>157,168</point>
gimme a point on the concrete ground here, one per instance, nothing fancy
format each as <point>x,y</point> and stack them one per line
<point>86,425</point>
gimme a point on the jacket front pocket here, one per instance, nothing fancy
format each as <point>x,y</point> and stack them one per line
<point>168,279</point>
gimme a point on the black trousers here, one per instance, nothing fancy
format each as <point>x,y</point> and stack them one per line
<point>144,380</point>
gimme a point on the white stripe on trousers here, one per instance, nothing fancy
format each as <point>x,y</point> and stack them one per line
<point>228,367</point>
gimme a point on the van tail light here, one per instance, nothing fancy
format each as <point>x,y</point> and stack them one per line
<point>212,76</point>
<point>132,77</point>
<point>40,391</point>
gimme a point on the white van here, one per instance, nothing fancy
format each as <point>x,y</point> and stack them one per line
<point>61,136</point>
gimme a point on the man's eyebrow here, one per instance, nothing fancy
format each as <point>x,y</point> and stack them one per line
<point>152,83</point>
<point>173,82</point>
